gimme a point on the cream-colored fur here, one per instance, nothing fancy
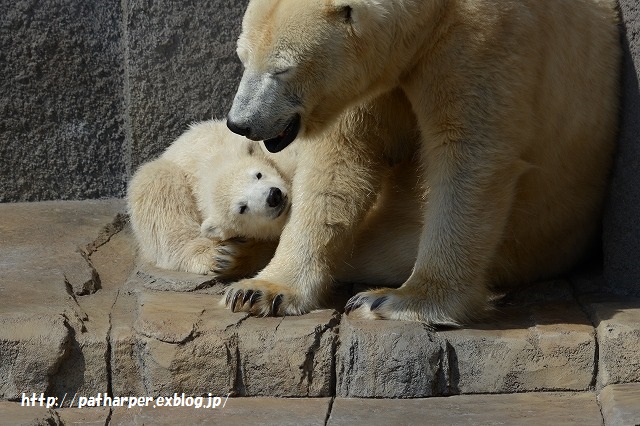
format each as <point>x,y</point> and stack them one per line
<point>174,204</point>
<point>514,107</point>
<point>185,215</point>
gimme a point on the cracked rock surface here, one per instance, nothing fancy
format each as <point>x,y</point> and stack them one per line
<point>79,317</point>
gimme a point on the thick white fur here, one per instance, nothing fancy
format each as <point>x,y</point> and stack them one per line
<point>514,108</point>
<point>175,203</point>
<point>184,211</point>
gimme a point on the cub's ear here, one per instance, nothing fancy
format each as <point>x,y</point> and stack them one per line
<point>209,229</point>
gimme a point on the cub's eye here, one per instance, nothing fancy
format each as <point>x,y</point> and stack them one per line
<point>259,176</point>
<point>243,208</point>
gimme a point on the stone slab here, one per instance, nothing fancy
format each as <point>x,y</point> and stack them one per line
<point>620,404</point>
<point>154,278</point>
<point>388,359</point>
<point>14,414</point>
<point>290,356</point>
<point>517,409</point>
<point>260,411</point>
<point>32,349</point>
<point>53,340</point>
<point>187,342</point>
<point>544,347</point>
<point>617,322</point>
<point>536,343</point>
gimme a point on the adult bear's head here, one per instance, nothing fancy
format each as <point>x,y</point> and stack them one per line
<point>305,61</point>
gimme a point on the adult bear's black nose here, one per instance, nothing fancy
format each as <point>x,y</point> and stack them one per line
<point>274,199</point>
<point>237,128</point>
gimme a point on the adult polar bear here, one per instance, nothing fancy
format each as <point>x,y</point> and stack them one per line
<point>515,102</point>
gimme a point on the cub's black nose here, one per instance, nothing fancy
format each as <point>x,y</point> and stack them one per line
<point>274,199</point>
<point>236,128</point>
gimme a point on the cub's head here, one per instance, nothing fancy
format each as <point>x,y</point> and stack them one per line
<point>247,197</point>
<point>305,62</point>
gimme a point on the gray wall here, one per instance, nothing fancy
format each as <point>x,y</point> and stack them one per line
<point>621,222</point>
<point>91,89</point>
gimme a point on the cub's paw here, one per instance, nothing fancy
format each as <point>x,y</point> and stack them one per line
<point>262,298</point>
<point>227,260</point>
<point>401,304</point>
<point>199,256</point>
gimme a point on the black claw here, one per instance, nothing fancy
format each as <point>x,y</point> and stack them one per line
<point>375,305</point>
<point>247,296</point>
<point>275,305</point>
<point>235,299</point>
<point>354,303</point>
<point>254,298</point>
<point>222,263</point>
<point>228,299</point>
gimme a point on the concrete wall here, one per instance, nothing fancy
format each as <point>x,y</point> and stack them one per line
<point>621,235</point>
<point>91,89</point>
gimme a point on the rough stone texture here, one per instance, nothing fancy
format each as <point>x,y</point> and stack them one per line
<point>291,356</point>
<point>92,89</point>
<point>621,227</point>
<point>517,409</point>
<point>154,278</point>
<point>31,351</point>
<point>620,404</point>
<point>52,340</point>
<point>181,67</point>
<point>546,343</point>
<point>617,324</point>
<point>128,339</point>
<point>12,413</point>
<point>388,359</point>
<point>237,411</point>
<point>177,334</point>
<point>61,133</point>
<point>550,347</point>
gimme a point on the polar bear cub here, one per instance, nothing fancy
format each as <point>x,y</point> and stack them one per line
<point>190,207</point>
<point>244,197</point>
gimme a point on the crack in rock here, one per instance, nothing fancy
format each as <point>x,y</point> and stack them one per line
<point>107,232</point>
<point>307,366</point>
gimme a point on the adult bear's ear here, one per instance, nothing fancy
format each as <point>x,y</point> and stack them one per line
<point>357,13</point>
<point>346,11</point>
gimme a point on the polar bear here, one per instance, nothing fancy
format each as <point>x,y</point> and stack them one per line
<point>213,204</point>
<point>175,204</point>
<point>513,104</point>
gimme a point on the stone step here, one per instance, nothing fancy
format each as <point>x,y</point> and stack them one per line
<point>556,408</point>
<point>80,317</point>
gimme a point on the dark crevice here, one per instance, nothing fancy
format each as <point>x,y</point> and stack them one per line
<point>308,364</point>
<point>237,324</point>
<point>588,314</point>
<point>107,354</point>
<point>108,231</point>
<point>329,409</point>
<point>107,421</point>
<point>239,387</point>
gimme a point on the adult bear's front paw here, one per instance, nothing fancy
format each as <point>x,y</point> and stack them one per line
<point>262,298</point>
